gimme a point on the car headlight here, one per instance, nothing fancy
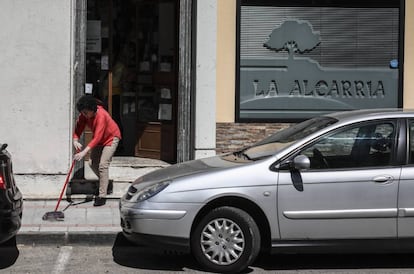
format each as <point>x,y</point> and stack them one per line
<point>148,192</point>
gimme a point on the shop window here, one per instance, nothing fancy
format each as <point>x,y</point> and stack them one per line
<point>299,59</point>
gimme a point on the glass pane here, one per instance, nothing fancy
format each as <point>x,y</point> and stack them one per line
<point>298,61</point>
<point>365,146</point>
<point>411,142</point>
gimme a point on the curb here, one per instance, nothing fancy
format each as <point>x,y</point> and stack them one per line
<point>66,238</point>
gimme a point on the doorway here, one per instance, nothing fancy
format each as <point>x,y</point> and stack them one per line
<point>131,66</point>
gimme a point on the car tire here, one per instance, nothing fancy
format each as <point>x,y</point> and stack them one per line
<point>226,240</point>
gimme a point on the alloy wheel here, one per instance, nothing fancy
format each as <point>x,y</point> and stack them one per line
<point>222,241</point>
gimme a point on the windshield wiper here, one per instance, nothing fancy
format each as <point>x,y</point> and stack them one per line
<point>242,154</point>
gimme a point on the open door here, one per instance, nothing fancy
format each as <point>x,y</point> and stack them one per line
<point>132,64</point>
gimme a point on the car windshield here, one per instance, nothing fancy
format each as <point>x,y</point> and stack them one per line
<point>281,139</point>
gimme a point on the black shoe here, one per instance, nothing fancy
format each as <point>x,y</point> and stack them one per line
<point>99,201</point>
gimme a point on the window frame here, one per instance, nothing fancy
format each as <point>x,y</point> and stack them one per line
<point>318,3</point>
<point>395,158</point>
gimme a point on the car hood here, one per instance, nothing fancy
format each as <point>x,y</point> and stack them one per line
<point>185,169</point>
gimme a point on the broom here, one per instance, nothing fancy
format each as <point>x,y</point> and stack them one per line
<point>58,215</point>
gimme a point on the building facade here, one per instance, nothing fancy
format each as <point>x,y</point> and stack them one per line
<point>191,69</point>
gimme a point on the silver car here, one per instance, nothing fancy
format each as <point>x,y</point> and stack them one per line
<point>341,182</point>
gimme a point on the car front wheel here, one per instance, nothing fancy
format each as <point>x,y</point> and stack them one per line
<point>227,239</point>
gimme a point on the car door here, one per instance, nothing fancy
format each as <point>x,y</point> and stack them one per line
<point>350,190</point>
<point>406,192</point>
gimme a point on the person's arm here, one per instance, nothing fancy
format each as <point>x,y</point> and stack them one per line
<point>98,134</point>
<point>79,127</point>
<point>79,156</point>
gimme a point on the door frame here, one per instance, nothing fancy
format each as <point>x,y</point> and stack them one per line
<point>185,123</point>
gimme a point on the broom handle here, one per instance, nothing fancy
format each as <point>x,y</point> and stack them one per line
<point>64,186</point>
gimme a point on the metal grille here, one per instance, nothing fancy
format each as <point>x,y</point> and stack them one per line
<point>350,37</point>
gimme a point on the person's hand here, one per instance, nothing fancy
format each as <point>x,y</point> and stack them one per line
<point>77,145</point>
<point>79,156</point>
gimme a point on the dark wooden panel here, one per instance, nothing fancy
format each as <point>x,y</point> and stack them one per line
<point>149,141</point>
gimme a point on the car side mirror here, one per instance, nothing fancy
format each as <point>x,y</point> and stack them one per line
<point>3,147</point>
<point>301,162</point>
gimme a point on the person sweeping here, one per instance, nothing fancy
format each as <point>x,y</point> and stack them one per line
<point>104,142</point>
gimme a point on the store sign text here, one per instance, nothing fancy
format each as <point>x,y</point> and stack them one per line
<point>323,88</point>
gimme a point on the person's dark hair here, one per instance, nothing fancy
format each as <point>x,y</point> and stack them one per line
<point>87,102</point>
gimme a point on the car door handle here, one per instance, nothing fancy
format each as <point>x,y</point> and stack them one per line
<point>383,179</point>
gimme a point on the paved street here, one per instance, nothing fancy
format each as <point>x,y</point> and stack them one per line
<point>122,257</point>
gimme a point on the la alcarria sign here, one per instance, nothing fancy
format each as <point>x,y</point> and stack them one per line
<point>298,87</point>
<point>323,88</point>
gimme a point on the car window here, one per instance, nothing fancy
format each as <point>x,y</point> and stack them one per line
<point>281,139</point>
<point>367,145</point>
<point>411,142</point>
<point>298,131</point>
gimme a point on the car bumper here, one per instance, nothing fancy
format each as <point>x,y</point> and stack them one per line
<point>159,243</point>
<point>157,223</point>
<point>10,223</point>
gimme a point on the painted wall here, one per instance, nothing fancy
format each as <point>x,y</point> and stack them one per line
<point>409,55</point>
<point>35,84</point>
<point>205,97</point>
<point>226,61</point>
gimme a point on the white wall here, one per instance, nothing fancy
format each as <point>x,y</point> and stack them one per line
<point>35,84</point>
<point>205,116</point>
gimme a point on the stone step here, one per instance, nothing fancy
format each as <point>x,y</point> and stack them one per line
<point>40,186</point>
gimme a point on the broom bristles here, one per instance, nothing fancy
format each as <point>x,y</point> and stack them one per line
<point>53,216</point>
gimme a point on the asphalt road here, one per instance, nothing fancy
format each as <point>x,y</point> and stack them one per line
<point>121,257</point>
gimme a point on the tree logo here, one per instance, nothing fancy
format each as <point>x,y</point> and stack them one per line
<point>293,36</point>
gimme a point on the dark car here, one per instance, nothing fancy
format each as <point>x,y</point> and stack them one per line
<point>11,200</point>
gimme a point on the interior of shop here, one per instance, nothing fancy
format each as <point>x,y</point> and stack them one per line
<point>131,66</point>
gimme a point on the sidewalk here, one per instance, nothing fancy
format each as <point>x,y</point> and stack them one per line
<point>83,223</point>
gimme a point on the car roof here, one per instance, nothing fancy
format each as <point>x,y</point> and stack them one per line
<point>368,114</point>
